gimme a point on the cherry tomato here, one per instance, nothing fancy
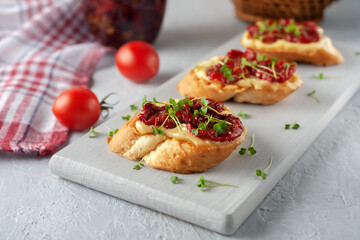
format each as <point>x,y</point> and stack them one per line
<point>77,108</point>
<point>137,61</point>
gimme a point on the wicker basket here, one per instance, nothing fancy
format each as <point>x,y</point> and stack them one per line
<point>300,10</point>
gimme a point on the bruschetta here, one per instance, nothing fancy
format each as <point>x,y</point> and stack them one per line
<point>243,76</point>
<point>183,136</point>
<point>291,41</point>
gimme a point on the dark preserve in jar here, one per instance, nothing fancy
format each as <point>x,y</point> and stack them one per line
<point>115,22</point>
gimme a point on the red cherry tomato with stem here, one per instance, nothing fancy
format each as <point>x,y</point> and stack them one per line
<point>137,61</point>
<point>78,108</point>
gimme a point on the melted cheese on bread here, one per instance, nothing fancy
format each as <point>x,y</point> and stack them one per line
<point>182,134</point>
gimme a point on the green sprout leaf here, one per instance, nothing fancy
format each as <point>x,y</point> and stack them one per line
<point>262,27</point>
<point>292,125</point>
<point>195,131</point>
<point>188,101</point>
<point>312,94</point>
<point>204,184</point>
<point>92,133</point>
<point>262,172</point>
<point>260,58</point>
<point>243,115</point>
<point>204,101</point>
<point>251,149</point>
<point>134,107</point>
<point>242,151</point>
<point>220,127</point>
<point>321,76</point>
<point>112,133</point>
<point>202,126</point>
<point>227,72</point>
<point>174,179</point>
<point>144,101</point>
<point>127,117</point>
<point>139,165</point>
<point>158,131</point>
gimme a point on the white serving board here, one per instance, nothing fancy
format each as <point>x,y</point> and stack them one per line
<point>90,163</point>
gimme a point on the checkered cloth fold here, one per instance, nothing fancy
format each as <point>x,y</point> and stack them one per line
<point>45,49</point>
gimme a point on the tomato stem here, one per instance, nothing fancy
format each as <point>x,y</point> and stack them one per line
<point>105,106</point>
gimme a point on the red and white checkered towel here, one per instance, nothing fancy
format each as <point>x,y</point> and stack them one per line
<point>45,49</point>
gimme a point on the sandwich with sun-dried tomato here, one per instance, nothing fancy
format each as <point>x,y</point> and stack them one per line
<point>290,41</point>
<point>184,136</point>
<point>243,77</point>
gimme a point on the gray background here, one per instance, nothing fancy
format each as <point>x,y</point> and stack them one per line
<point>319,198</point>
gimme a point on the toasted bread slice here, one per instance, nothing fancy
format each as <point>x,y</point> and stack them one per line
<point>250,90</point>
<point>321,53</point>
<point>188,154</point>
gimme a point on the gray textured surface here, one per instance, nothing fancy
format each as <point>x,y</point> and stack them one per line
<point>317,199</point>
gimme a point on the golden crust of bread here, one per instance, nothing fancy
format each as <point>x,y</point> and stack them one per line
<point>321,53</point>
<point>170,154</point>
<point>193,86</point>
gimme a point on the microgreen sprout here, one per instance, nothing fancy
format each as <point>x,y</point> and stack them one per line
<point>273,62</point>
<point>220,127</point>
<point>273,26</point>
<point>93,134</point>
<point>293,28</point>
<point>202,126</point>
<point>204,109</point>
<point>260,58</point>
<point>256,36</point>
<point>127,117</point>
<point>243,115</point>
<point>287,66</point>
<point>203,184</point>
<point>262,27</point>
<point>257,67</point>
<point>251,149</point>
<point>111,132</point>
<point>139,165</point>
<point>227,72</point>
<point>292,125</point>
<point>134,107</point>
<point>262,172</point>
<point>144,101</point>
<point>312,94</point>
<point>174,179</point>
<point>134,110</point>
<point>158,131</point>
<point>322,76</point>
<point>172,107</point>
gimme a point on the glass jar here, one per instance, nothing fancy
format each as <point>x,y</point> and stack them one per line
<point>115,22</point>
